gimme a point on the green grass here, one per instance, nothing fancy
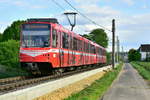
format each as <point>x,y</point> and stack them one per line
<point>98,88</point>
<point>146,65</point>
<point>142,68</point>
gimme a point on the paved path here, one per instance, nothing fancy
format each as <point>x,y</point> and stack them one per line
<point>129,86</point>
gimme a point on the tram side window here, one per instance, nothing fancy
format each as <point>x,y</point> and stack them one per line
<point>94,50</point>
<point>65,41</point>
<point>100,51</point>
<point>74,43</point>
<point>71,43</point>
<point>79,45</point>
<point>84,47</point>
<point>54,35</point>
<point>89,48</point>
<point>97,50</point>
<point>104,52</point>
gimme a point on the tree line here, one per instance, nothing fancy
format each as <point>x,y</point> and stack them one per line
<point>12,32</point>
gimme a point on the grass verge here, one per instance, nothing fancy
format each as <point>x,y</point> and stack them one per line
<point>98,88</point>
<point>142,70</point>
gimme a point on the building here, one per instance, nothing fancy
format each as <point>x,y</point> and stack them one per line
<point>144,49</point>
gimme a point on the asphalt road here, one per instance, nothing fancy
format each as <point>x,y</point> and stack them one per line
<point>129,86</point>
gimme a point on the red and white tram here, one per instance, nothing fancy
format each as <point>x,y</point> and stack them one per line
<point>47,46</point>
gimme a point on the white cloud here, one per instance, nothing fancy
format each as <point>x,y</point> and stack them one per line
<point>129,2</point>
<point>101,15</point>
<point>144,6</point>
<point>3,1</point>
<point>134,30</point>
<point>20,3</point>
<point>23,4</point>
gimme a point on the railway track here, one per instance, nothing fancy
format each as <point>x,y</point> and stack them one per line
<point>17,82</point>
<point>12,79</point>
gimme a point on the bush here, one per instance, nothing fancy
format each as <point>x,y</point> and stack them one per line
<point>6,72</point>
<point>9,53</point>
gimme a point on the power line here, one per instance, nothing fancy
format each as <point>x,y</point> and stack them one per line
<point>85,16</point>
<point>59,5</point>
<point>79,13</point>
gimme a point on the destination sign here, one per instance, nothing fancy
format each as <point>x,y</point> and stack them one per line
<point>35,26</point>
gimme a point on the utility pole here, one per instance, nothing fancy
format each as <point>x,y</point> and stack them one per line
<point>122,54</point>
<point>118,49</point>
<point>113,43</point>
<point>73,14</point>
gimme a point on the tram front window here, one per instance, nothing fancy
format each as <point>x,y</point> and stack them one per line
<point>36,35</point>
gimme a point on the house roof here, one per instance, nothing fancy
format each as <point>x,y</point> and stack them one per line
<point>145,48</point>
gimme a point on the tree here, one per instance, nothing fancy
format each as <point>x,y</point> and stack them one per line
<point>99,36</point>
<point>134,55</point>
<point>87,36</point>
<point>13,31</point>
<point>1,37</point>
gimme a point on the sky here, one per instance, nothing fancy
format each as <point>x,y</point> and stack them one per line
<point>132,16</point>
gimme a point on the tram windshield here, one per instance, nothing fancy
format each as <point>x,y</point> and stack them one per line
<point>35,35</point>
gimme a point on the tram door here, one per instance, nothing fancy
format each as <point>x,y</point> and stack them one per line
<point>60,48</point>
<point>96,49</point>
<point>70,53</point>
<point>65,49</point>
